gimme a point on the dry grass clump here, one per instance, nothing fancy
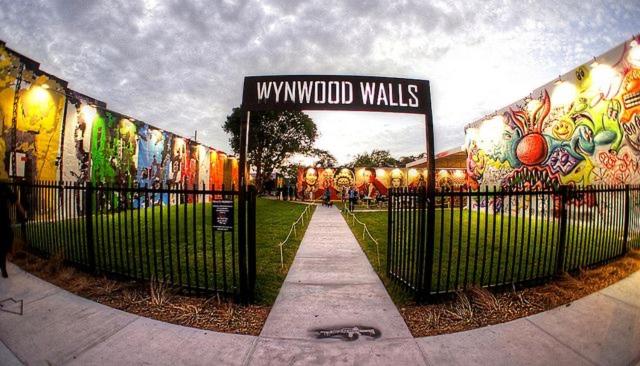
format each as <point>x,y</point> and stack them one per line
<point>158,292</point>
<point>478,307</point>
<point>155,299</point>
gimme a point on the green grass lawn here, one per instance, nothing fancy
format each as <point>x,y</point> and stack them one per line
<point>484,249</point>
<point>177,244</point>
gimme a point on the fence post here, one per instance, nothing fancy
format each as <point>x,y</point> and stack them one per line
<point>627,203</point>
<point>389,227</point>
<point>427,238</point>
<point>251,241</point>
<point>88,221</point>
<point>562,236</point>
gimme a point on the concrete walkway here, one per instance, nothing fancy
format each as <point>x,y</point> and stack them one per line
<point>330,285</point>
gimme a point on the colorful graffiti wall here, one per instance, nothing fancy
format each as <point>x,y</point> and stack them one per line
<point>114,149</point>
<point>39,119</point>
<point>581,129</point>
<point>63,135</point>
<point>76,150</point>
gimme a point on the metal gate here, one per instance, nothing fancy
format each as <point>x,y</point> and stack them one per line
<point>409,255</point>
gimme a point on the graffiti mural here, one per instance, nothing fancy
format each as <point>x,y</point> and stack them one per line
<point>581,129</point>
<point>76,152</point>
<point>64,135</point>
<point>114,149</point>
<point>38,124</point>
<point>369,182</point>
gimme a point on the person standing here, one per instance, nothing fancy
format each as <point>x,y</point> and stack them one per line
<point>353,197</point>
<point>7,199</point>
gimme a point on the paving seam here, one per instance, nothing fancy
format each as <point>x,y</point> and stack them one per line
<point>618,300</point>
<point>635,362</point>
<point>249,356</point>
<point>313,340</point>
<point>13,353</point>
<point>101,340</point>
<point>30,302</point>
<point>424,356</point>
<point>562,343</point>
<point>31,277</point>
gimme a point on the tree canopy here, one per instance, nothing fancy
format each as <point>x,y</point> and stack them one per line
<point>376,158</point>
<point>273,137</point>
<point>323,158</point>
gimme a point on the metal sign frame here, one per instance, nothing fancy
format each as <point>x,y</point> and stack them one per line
<point>339,93</point>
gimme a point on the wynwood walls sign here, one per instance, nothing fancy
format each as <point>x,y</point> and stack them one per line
<point>328,92</point>
<point>323,92</point>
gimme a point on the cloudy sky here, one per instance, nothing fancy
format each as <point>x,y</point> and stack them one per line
<point>179,65</point>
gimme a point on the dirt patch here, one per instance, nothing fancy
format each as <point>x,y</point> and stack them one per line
<point>479,307</point>
<point>152,300</point>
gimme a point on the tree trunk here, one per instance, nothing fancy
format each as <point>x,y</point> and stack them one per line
<point>259,177</point>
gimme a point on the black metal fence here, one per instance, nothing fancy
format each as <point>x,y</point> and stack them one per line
<point>492,238</point>
<point>143,233</point>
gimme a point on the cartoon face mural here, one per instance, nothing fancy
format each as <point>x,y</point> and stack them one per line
<point>417,177</point>
<point>344,178</point>
<point>327,178</point>
<point>311,177</point>
<point>310,182</point>
<point>586,132</point>
<point>397,178</point>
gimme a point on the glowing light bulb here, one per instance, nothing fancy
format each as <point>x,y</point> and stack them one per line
<point>564,94</point>
<point>533,106</point>
<point>470,136</point>
<point>634,54</point>
<point>490,132</point>
<point>605,80</point>
<point>88,113</point>
<point>39,95</point>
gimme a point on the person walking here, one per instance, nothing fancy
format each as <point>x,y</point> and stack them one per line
<point>353,198</point>
<point>7,199</point>
<point>327,197</point>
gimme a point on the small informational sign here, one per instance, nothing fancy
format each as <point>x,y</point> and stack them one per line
<point>223,215</point>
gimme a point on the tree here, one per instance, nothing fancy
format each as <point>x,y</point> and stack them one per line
<point>377,158</point>
<point>323,158</point>
<point>404,160</point>
<point>273,137</point>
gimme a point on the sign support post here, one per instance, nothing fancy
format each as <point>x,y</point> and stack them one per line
<point>242,205</point>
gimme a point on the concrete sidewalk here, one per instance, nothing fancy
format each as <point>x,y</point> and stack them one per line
<point>330,285</point>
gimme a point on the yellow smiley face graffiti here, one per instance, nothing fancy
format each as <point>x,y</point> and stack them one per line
<point>563,129</point>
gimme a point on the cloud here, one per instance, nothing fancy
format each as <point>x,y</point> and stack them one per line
<point>179,65</point>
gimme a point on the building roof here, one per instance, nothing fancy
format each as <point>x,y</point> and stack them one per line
<point>451,158</point>
<point>611,57</point>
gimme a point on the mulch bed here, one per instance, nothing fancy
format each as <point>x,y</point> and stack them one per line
<point>479,307</point>
<point>470,309</point>
<point>151,300</point>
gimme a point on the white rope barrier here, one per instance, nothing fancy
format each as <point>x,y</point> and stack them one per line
<point>365,230</point>
<point>295,233</point>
